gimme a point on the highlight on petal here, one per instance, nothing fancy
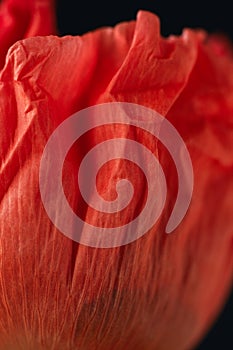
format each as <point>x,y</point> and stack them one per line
<point>23,19</point>
<point>161,291</point>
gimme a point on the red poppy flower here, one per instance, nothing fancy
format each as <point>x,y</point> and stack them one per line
<point>160,291</point>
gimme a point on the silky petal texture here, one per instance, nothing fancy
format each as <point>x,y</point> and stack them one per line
<point>23,19</point>
<point>161,291</point>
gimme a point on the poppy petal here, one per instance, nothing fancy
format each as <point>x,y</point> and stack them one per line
<point>161,291</point>
<point>23,19</point>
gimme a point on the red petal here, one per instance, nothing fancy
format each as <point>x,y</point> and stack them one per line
<point>23,19</point>
<point>162,291</point>
<point>204,110</point>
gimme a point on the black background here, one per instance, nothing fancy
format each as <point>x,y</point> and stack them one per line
<point>76,18</point>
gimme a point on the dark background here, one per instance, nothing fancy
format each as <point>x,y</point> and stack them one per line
<point>75,17</point>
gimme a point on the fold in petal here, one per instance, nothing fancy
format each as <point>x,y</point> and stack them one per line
<point>204,110</point>
<point>156,69</point>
